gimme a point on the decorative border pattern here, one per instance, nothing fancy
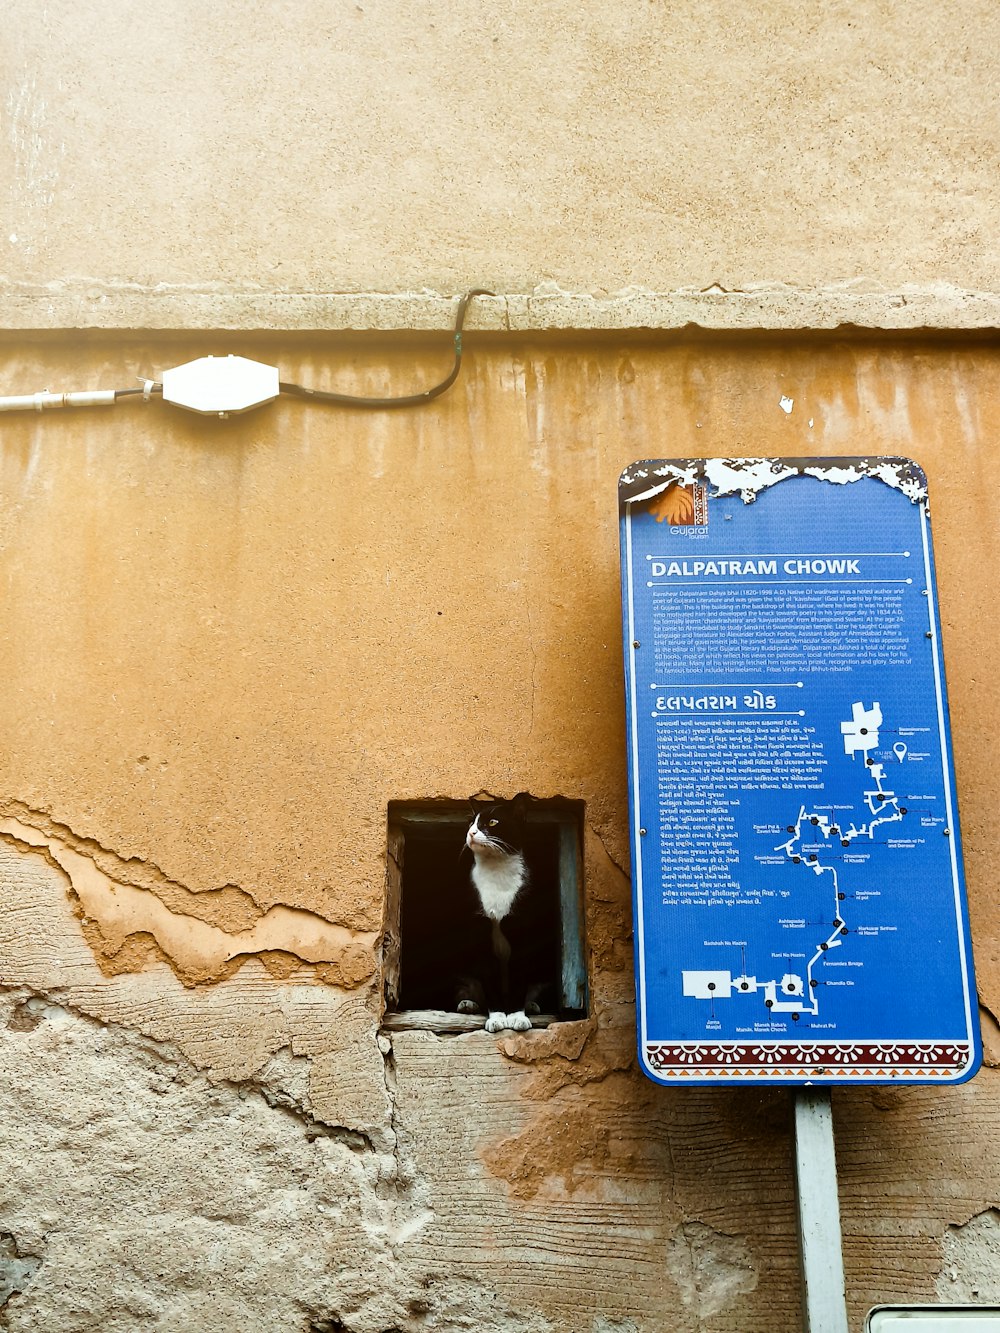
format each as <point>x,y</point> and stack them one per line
<point>821,1060</point>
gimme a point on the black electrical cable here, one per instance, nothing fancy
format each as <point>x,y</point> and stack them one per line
<point>151,387</point>
<point>407,400</point>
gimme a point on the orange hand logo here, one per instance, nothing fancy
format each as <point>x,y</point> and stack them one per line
<point>675,505</point>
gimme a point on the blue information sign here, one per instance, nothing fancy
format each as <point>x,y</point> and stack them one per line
<point>800,912</point>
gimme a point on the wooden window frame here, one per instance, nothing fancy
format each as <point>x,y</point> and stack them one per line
<point>565,818</point>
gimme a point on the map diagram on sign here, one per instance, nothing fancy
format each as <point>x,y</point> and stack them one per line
<point>810,839</point>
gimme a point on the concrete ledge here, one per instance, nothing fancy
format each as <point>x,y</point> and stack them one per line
<point>89,305</point>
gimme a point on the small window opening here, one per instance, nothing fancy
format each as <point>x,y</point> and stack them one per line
<point>436,931</point>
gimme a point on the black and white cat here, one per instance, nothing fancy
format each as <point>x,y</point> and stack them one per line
<point>501,880</point>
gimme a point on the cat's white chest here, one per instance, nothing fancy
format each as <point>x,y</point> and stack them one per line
<point>497,880</point>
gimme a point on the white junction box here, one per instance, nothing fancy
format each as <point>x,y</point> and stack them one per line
<point>220,385</point>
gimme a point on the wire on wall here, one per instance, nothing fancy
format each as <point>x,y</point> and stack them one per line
<point>221,386</point>
<point>406,400</point>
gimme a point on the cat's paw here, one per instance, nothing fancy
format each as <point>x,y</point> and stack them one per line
<point>519,1022</point>
<point>497,1022</point>
<point>468,1007</point>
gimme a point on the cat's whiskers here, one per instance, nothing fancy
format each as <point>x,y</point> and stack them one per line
<point>493,845</point>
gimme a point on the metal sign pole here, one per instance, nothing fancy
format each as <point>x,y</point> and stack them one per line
<point>825,1307</point>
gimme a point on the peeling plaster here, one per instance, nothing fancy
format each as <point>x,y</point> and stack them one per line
<point>283,1082</point>
<point>991,1036</point>
<point>216,1205</point>
<point>234,1195</point>
<point>710,1269</point>
<point>197,951</point>
<point>17,1268</point>
<point>565,1146</point>
<point>315,1044</point>
<point>970,1256</point>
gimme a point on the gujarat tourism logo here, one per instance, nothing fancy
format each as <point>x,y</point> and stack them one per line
<point>682,506</point>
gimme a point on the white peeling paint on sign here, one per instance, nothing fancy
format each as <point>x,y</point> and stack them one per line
<point>747,477</point>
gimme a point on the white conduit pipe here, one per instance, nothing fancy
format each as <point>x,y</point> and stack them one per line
<point>38,402</point>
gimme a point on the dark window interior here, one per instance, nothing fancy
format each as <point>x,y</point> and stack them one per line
<point>436,924</point>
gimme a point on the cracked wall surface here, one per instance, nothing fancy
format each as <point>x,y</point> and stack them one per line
<point>115,913</point>
<point>226,647</point>
<point>595,147</point>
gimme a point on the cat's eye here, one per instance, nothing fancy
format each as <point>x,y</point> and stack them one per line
<point>492,823</point>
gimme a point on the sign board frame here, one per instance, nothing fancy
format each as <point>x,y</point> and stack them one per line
<point>798,888</point>
<point>933,1319</point>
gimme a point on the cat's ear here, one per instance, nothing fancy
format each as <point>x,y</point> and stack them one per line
<point>520,807</point>
<point>478,805</point>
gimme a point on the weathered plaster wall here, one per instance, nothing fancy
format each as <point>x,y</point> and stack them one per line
<point>225,647</point>
<point>284,148</point>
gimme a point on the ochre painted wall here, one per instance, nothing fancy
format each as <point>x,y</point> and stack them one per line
<point>226,646</point>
